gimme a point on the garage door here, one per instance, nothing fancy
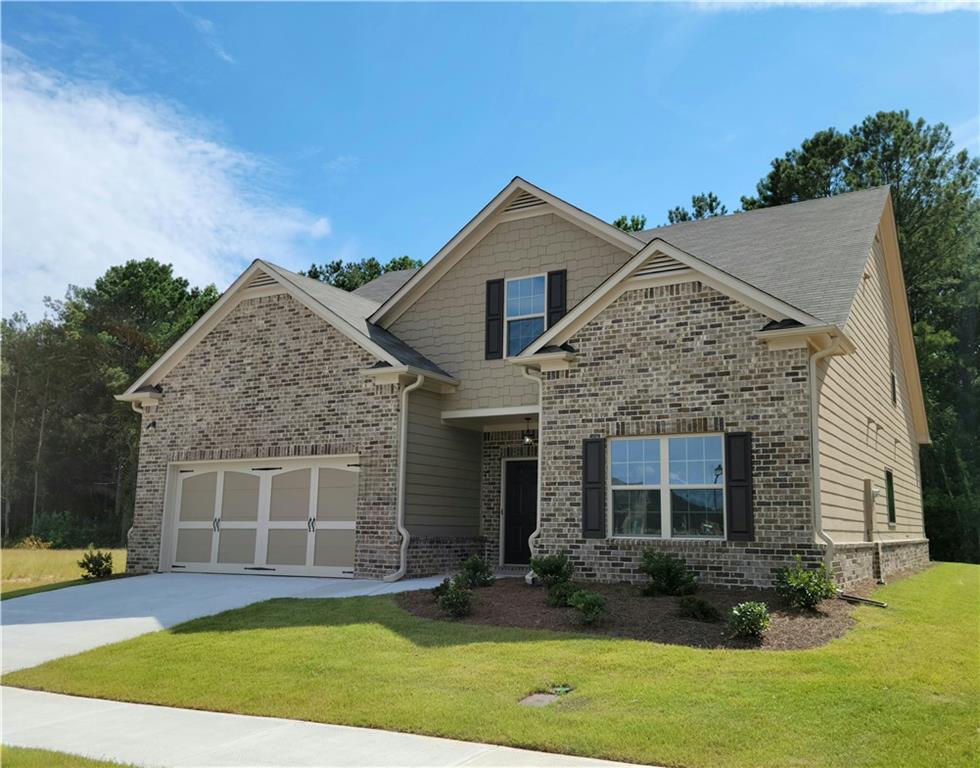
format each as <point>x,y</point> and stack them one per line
<point>273,517</point>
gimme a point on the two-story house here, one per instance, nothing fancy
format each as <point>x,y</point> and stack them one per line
<point>737,391</point>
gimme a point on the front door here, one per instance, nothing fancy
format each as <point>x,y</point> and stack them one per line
<point>520,509</point>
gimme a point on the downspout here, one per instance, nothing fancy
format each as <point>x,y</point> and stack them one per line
<point>536,533</point>
<point>815,358</point>
<point>400,502</point>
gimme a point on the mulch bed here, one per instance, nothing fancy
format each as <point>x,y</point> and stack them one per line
<point>512,603</point>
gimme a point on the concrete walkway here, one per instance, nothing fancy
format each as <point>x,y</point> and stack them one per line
<point>44,626</point>
<point>163,736</point>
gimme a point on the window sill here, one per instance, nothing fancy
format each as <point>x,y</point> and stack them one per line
<point>686,539</point>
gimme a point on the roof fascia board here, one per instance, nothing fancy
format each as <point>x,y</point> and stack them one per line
<point>477,228</point>
<point>619,282</point>
<point>233,296</point>
<point>409,371</point>
<point>888,232</point>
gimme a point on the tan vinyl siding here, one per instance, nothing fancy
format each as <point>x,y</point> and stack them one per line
<point>447,323</point>
<point>861,432</point>
<point>442,472</point>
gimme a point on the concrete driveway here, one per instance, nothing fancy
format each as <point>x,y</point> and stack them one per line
<point>45,626</point>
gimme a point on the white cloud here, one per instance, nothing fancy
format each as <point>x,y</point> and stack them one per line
<point>93,177</point>
<point>208,32</point>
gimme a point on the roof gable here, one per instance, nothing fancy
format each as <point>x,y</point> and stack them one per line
<point>519,199</point>
<point>810,254</point>
<point>344,311</point>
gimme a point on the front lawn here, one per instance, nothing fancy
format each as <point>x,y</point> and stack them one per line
<point>23,571</point>
<point>900,689</point>
<point>20,757</point>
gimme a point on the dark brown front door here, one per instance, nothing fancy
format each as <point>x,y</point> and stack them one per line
<point>520,509</point>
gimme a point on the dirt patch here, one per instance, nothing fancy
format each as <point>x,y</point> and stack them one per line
<point>511,603</point>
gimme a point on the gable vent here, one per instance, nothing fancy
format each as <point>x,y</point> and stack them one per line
<point>659,264</point>
<point>523,201</point>
<point>260,280</point>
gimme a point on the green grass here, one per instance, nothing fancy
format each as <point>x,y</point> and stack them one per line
<point>25,571</point>
<point>20,757</point>
<point>901,689</point>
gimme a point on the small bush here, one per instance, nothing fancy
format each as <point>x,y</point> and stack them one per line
<point>32,542</point>
<point>697,608</point>
<point>560,594</point>
<point>591,605</point>
<point>668,575</point>
<point>441,589</point>
<point>455,600</point>
<point>749,620</point>
<point>805,587</point>
<point>476,572</point>
<point>552,569</point>
<point>96,565</point>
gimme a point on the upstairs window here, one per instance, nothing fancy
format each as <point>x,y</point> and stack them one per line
<point>524,312</point>
<point>894,389</point>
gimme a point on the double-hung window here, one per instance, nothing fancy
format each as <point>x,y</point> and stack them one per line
<point>525,312</point>
<point>668,487</point>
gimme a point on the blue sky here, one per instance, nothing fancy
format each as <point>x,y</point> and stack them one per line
<point>209,134</point>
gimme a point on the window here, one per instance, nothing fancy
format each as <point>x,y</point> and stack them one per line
<point>668,487</point>
<point>890,495</point>
<point>525,308</point>
<point>894,389</point>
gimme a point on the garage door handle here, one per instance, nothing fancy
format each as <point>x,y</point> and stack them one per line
<point>309,525</point>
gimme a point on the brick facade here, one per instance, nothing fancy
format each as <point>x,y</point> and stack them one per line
<point>433,555</point>
<point>672,360</point>
<point>272,379</point>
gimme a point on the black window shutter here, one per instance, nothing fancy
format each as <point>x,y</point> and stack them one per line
<point>594,488</point>
<point>738,486</point>
<point>495,319</point>
<point>556,296</point>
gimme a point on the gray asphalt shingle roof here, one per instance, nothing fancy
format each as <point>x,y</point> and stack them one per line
<point>354,311</point>
<point>809,254</point>
<point>384,286</point>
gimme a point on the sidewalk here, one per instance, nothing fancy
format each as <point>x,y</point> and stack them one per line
<point>164,736</point>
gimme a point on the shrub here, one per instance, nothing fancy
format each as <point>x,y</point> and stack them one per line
<point>552,569</point>
<point>456,600</point>
<point>32,542</point>
<point>441,589</point>
<point>560,594</point>
<point>805,587</point>
<point>96,565</point>
<point>476,572</point>
<point>697,608</point>
<point>749,620</point>
<point>591,605</point>
<point>668,575</point>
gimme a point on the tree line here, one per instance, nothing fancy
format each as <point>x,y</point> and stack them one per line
<point>70,450</point>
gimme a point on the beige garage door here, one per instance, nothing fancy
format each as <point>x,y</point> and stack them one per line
<point>280,517</point>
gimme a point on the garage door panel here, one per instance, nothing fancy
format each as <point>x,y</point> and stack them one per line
<point>240,497</point>
<point>194,545</point>
<point>336,495</point>
<point>197,497</point>
<point>237,546</point>
<point>290,496</point>
<point>334,548</point>
<point>287,547</point>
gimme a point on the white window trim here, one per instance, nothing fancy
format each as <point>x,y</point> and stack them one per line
<point>507,318</point>
<point>666,513</point>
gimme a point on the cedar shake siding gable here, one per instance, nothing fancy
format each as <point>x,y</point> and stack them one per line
<point>272,379</point>
<point>448,325</point>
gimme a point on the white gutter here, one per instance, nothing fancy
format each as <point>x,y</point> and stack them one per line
<point>536,533</point>
<point>400,503</point>
<point>835,345</point>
